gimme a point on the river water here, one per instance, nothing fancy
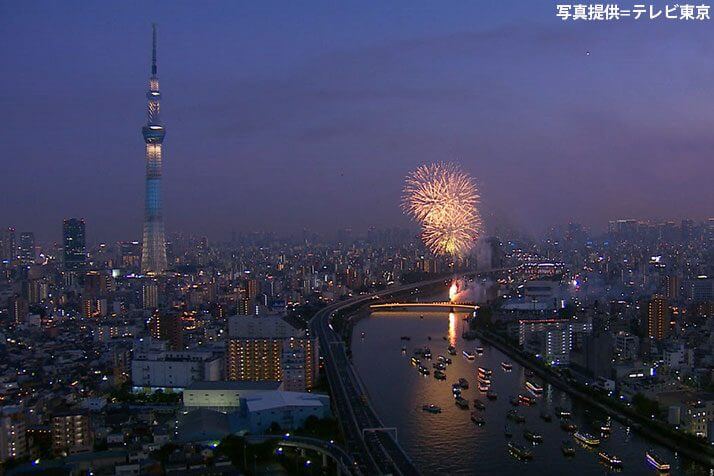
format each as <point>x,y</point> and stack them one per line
<point>449,442</point>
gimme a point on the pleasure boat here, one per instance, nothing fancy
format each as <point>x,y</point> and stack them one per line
<point>532,436</point>
<point>586,438</point>
<point>520,451</point>
<point>654,460</point>
<point>534,387</point>
<point>468,355</point>
<point>610,460</point>
<point>480,421</point>
<point>439,375</point>
<point>506,366</point>
<point>463,383</point>
<point>491,395</point>
<point>461,402</point>
<point>567,448</point>
<point>479,405</point>
<point>431,408</point>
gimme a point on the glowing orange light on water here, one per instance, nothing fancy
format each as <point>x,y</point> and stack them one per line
<point>452,328</point>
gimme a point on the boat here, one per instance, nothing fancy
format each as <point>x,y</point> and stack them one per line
<point>428,337</point>
<point>567,448</point>
<point>431,408</point>
<point>439,375</point>
<point>515,416</point>
<point>477,419</point>
<point>451,350</point>
<point>532,436</point>
<point>486,372</point>
<point>507,431</point>
<point>468,355</point>
<point>362,335</point>
<point>438,366</point>
<point>491,395</point>
<point>479,350</point>
<point>568,426</point>
<point>441,358</point>
<point>406,338</point>
<point>654,460</point>
<point>423,370</point>
<point>479,405</point>
<point>416,361</point>
<point>418,352</point>
<point>610,460</point>
<point>545,416</point>
<point>404,349</point>
<point>520,451</point>
<point>427,353</point>
<point>515,401</point>
<point>483,387</point>
<point>506,366</point>
<point>463,383</point>
<point>528,373</point>
<point>461,402</point>
<point>586,438</point>
<point>562,412</point>
<point>534,387</point>
<point>605,427</point>
<point>485,381</point>
<point>526,400</point>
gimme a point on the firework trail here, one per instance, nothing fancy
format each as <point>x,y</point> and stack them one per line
<point>444,201</point>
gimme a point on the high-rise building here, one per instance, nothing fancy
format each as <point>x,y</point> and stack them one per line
<point>13,439</point>
<point>71,433</point>
<point>165,325</point>
<point>8,246</point>
<point>271,349</point>
<point>150,295</point>
<point>74,244</point>
<point>246,307</point>
<point>657,319</point>
<point>26,248</point>
<point>153,253</point>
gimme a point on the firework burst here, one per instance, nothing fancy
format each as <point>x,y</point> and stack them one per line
<point>444,200</point>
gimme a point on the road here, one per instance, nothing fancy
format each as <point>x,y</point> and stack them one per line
<point>374,448</point>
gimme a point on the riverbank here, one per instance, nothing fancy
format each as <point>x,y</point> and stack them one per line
<point>698,453</point>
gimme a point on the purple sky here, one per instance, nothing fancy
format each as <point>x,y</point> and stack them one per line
<point>289,115</point>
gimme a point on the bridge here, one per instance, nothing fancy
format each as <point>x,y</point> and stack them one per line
<point>372,446</point>
<point>344,463</point>
<point>410,305</point>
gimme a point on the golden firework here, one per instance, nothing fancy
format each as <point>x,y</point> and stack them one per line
<point>444,200</point>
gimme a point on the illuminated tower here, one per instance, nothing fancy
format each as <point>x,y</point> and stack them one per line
<point>153,253</point>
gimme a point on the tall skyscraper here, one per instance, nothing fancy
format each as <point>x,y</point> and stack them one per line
<point>8,247</point>
<point>26,248</point>
<point>657,319</point>
<point>74,244</point>
<point>153,253</point>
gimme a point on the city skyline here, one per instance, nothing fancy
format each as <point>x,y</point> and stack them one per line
<point>357,114</point>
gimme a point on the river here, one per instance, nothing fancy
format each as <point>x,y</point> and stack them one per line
<point>449,443</point>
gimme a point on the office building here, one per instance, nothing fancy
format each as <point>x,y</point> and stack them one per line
<point>26,248</point>
<point>74,244</point>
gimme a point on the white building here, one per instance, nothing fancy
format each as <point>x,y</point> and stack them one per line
<point>627,345</point>
<point>224,397</point>
<point>161,369</point>
<point>551,339</point>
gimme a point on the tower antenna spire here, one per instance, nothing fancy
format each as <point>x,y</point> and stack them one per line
<point>153,50</point>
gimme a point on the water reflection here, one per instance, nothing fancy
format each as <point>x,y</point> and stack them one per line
<point>452,328</point>
<point>449,442</point>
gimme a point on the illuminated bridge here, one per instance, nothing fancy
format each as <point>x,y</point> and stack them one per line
<point>411,305</point>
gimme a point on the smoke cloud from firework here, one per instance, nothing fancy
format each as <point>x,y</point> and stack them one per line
<point>444,201</point>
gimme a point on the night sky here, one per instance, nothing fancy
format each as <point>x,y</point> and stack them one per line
<point>289,115</point>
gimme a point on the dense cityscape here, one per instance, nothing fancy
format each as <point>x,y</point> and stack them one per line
<point>451,344</point>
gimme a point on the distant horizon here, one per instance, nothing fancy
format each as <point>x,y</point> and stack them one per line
<point>270,127</point>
